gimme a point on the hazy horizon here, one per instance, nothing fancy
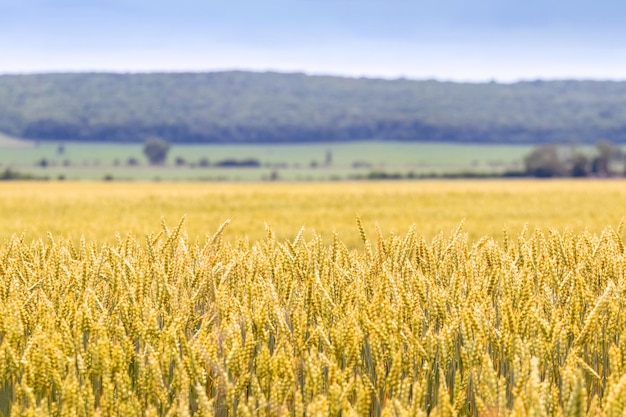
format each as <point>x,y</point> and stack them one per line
<point>451,40</point>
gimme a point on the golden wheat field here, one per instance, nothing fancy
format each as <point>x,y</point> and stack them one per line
<point>98,211</point>
<point>433,300</point>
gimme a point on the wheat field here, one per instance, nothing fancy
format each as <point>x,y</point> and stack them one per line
<point>353,321</point>
<point>98,211</point>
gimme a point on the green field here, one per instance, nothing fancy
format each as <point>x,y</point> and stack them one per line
<point>287,162</point>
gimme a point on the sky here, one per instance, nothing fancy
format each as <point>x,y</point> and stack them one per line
<point>459,40</point>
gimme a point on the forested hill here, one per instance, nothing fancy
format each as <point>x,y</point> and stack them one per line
<point>271,107</point>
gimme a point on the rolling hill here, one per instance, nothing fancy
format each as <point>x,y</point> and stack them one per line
<point>251,107</point>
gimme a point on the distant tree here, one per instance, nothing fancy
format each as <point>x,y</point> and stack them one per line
<point>227,163</point>
<point>580,165</point>
<point>250,163</point>
<point>156,150</point>
<point>544,162</point>
<point>607,152</point>
<point>180,161</point>
<point>9,174</point>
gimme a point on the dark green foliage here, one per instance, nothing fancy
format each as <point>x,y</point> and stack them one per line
<point>156,150</point>
<point>555,161</point>
<point>246,163</point>
<point>607,153</point>
<point>9,174</point>
<point>381,175</point>
<point>237,107</point>
<point>580,165</point>
<point>544,162</point>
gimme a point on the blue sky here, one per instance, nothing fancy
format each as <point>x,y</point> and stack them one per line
<point>465,40</point>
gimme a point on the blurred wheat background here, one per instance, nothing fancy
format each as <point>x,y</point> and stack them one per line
<point>98,211</point>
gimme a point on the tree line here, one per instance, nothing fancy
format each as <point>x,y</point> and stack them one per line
<point>250,107</point>
<point>546,161</point>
